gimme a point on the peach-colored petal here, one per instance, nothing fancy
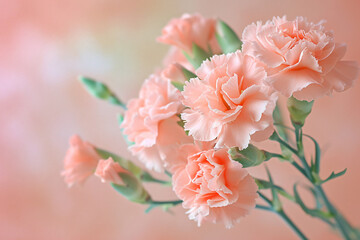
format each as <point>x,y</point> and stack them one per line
<point>212,186</point>
<point>80,161</point>
<point>228,100</point>
<point>108,171</point>
<point>301,58</point>
<point>188,29</point>
<point>159,102</point>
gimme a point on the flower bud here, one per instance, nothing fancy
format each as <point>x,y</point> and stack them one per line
<point>250,156</point>
<point>299,110</point>
<point>100,90</point>
<point>132,189</point>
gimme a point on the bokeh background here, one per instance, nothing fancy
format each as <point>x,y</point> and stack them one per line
<point>45,45</point>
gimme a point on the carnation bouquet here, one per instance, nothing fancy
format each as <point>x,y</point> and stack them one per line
<point>199,119</point>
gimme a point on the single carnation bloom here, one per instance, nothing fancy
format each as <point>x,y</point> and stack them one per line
<point>301,58</point>
<point>212,186</point>
<point>80,161</point>
<point>188,29</point>
<point>151,122</point>
<point>228,101</point>
<point>108,171</point>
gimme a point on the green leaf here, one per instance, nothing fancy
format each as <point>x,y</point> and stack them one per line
<point>317,154</point>
<point>198,56</point>
<point>279,122</point>
<point>263,184</point>
<point>299,110</point>
<point>248,157</point>
<point>275,201</point>
<point>178,85</point>
<point>227,38</point>
<point>334,175</point>
<point>188,74</point>
<point>101,91</point>
<point>312,212</point>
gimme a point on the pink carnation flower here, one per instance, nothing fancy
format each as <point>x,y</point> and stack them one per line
<point>108,171</point>
<point>80,161</point>
<point>183,32</point>
<point>302,59</point>
<point>151,122</point>
<point>229,102</point>
<point>213,187</point>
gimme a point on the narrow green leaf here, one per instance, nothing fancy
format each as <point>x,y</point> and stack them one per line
<point>188,74</point>
<point>317,154</point>
<point>263,184</point>
<point>198,56</point>
<point>178,85</point>
<point>275,201</point>
<point>312,212</point>
<point>227,38</point>
<point>334,175</point>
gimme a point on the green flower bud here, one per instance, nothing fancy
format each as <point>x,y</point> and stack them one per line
<point>133,189</point>
<point>299,110</point>
<point>100,90</point>
<point>250,156</point>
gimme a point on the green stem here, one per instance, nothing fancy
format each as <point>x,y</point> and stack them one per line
<point>340,221</point>
<point>175,202</point>
<point>291,224</point>
<point>282,214</point>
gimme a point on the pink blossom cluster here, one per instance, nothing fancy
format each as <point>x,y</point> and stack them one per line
<point>229,103</point>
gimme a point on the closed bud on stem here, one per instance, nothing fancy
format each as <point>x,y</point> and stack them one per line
<point>100,90</point>
<point>250,156</point>
<point>132,189</point>
<point>299,110</point>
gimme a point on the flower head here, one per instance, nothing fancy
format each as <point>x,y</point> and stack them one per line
<point>80,161</point>
<point>212,186</point>
<point>151,122</point>
<point>301,58</point>
<point>189,29</point>
<point>228,101</point>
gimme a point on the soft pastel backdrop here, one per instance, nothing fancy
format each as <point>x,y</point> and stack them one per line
<point>45,45</point>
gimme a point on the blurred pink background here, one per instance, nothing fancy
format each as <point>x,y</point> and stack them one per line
<point>45,45</point>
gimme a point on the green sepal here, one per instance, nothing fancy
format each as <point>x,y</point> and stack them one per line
<point>197,56</point>
<point>279,122</point>
<point>250,156</point>
<point>181,123</point>
<point>128,165</point>
<point>133,189</point>
<point>227,38</point>
<point>299,110</point>
<point>101,91</point>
